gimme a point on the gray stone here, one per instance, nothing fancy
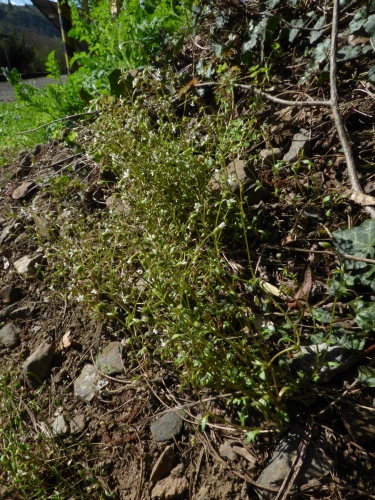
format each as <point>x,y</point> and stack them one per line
<point>9,294</point>
<point>300,143</point>
<point>314,465</point>
<point>271,156</point>
<point>25,191</point>
<point>10,336</point>
<point>38,365</point>
<point>360,425</point>
<point>5,313</point>
<point>59,426</point>
<point>171,488</point>
<point>164,464</point>
<point>110,360</point>
<point>315,360</point>
<point>168,426</point>
<point>239,176</point>
<point>42,225</point>
<point>77,424</point>
<point>226,451</point>
<point>28,264</point>
<point>20,313</point>
<point>88,384</point>
<point>5,233</point>
<point>117,206</point>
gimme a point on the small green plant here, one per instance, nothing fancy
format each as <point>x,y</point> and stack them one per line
<point>34,462</point>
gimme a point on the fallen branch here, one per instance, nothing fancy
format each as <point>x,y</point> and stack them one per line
<point>56,121</point>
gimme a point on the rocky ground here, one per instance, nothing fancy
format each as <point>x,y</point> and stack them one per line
<point>145,427</point>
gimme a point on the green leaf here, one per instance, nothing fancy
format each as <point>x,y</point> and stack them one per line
<point>217,49</point>
<point>297,23</point>
<point>358,20</point>
<point>369,25</point>
<point>359,241</point>
<point>365,319</point>
<point>251,435</point>
<point>204,422</point>
<point>321,315</point>
<point>315,35</point>
<point>371,73</point>
<point>319,54</point>
<point>366,375</point>
<point>348,52</point>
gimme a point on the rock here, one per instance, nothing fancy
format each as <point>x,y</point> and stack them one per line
<point>244,453</point>
<point>42,226</point>
<point>271,156</point>
<point>360,425</point>
<point>10,336</point>
<point>315,359</point>
<point>226,451</point>
<point>300,143</point>
<point>25,191</point>
<point>117,206</point>
<point>164,464</point>
<point>60,158</point>
<point>237,175</point>
<point>38,365</point>
<point>141,284</point>
<point>38,149</point>
<point>10,294</point>
<point>59,426</point>
<point>77,424</point>
<point>170,488</point>
<point>5,313</point>
<point>6,233</point>
<point>28,264</point>
<point>314,465</point>
<point>110,360</point>
<point>21,313</point>
<point>168,426</point>
<point>26,161</point>
<point>88,383</point>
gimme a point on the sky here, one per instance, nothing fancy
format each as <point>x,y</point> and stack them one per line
<point>17,2</point>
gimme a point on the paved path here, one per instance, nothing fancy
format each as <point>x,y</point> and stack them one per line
<point>7,93</point>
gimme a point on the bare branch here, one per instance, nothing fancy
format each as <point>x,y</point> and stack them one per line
<point>58,120</point>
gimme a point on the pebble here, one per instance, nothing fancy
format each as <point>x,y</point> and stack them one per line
<point>25,191</point>
<point>38,365</point>
<point>59,426</point>
<point>110,360</point>
<point>27,264</point>
<point>88,384</point>
<point>77,424</point>
<point>5,313</point>
<point>168,426</point>
<point>299,144</point>
<point>9,294</point>
<point>164,464</point>
<point>10,336</point>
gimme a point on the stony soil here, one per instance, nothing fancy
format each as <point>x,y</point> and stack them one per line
<point>146,427</point>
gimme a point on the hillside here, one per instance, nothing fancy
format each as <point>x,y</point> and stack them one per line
<point>32,38</point>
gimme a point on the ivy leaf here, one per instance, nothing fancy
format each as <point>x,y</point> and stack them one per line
<point>319,54</point>
<point>321,315</point>
<point>358,20</point>
<point>315,35</point>
<point>365,319</point>
<point>271,4</point>
<point>359,241</point>
<point>217,49</point>
<point>348,52</point>
<point>366,375</point>
<point>297,23</point>
<point>371,73</point>
<point>369,25</point>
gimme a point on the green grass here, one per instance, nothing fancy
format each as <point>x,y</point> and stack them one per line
<point>17,117</point>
